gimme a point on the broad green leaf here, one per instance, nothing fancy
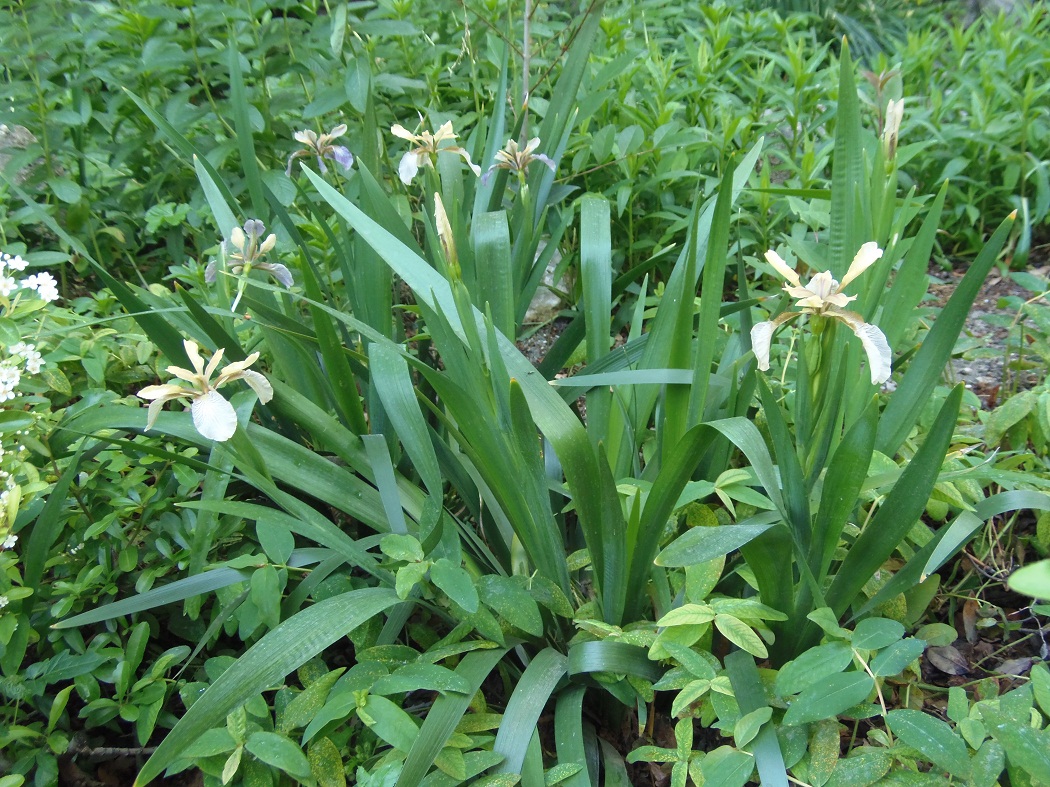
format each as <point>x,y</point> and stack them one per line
<point>302,709</point>
<point>863,767</point>
<point>701,544</point>
<point>933,738</point>
<point>13,420</point>
<point>746,608</point>
<point>1040,677</point>
<point>812,667</point>
<point>747,726</point>
<point>326,763</point>
<point>1032,580</point>
<point>456,583</point>
<point>832,696</point>
<point>512,602</point>
<point>282,650</point>
<point>987,765</point>
<point>401,547</point>
<point>895,658</point>
<point>212,742</point>
<point>1025,747</point>
<point>727,767</point>
<point>687,615</point>
<point>824,748</point>
<point>875,633</point>
<point>937,634</point>
<point>474,763</point>
<point>741,635</point>
<point>389,722</point>
<point>420,677</point>
<point>278,751</point>
<point>276,540</point>
<point>408,577</point>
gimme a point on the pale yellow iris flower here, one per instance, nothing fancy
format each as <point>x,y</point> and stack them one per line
<point>823,296</point>
<point>213,416</point>
<point>427,146</point>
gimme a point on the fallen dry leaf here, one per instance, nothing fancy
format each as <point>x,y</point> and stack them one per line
<point>1021,666</point>
<point>969,619</point>
<point>948,660</point>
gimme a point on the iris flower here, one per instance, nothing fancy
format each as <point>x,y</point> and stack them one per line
<point>322,147</point>
<point>427,146</point>
<point>517,160</point>
<point>892,127</point>
<point>245,253</point>
<point>213,416</point>
<point>823,296</point>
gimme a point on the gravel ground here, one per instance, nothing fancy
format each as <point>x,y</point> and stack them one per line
<point>983,360</point>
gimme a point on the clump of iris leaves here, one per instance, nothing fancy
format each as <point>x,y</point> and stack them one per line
<point>394,551</point>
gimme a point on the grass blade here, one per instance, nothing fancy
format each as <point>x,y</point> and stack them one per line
<point>568,734</point>
<point>265,664</point>
<point>925,369</point>
<point>747,687</point>
<point>902,507</point>
<point>446,713</point>
<point>526,704</point>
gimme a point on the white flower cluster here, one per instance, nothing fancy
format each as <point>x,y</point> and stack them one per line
<point>43,284</point>
<point>7,485</point>
<point>10,367</point>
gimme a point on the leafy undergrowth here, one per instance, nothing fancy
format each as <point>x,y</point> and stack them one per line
<point>284,501</point>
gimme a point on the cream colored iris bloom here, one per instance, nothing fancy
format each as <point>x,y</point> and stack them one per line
<point>823,296</point>
<point>892,127</point>
<point>427,146</point>
<point>213,416</point>
<point>516,159</point>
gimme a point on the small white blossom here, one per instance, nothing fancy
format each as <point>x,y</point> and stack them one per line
<point>9,542</point>
<point>10,377</point>
<point>15,262</point>
<point>44,284</point>
<point>7,285</point>
<point>29,354</point>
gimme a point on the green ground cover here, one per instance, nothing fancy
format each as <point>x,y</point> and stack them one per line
<point>285,503</point>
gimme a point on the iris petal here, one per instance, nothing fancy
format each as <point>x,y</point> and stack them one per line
<point>214,417</point>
